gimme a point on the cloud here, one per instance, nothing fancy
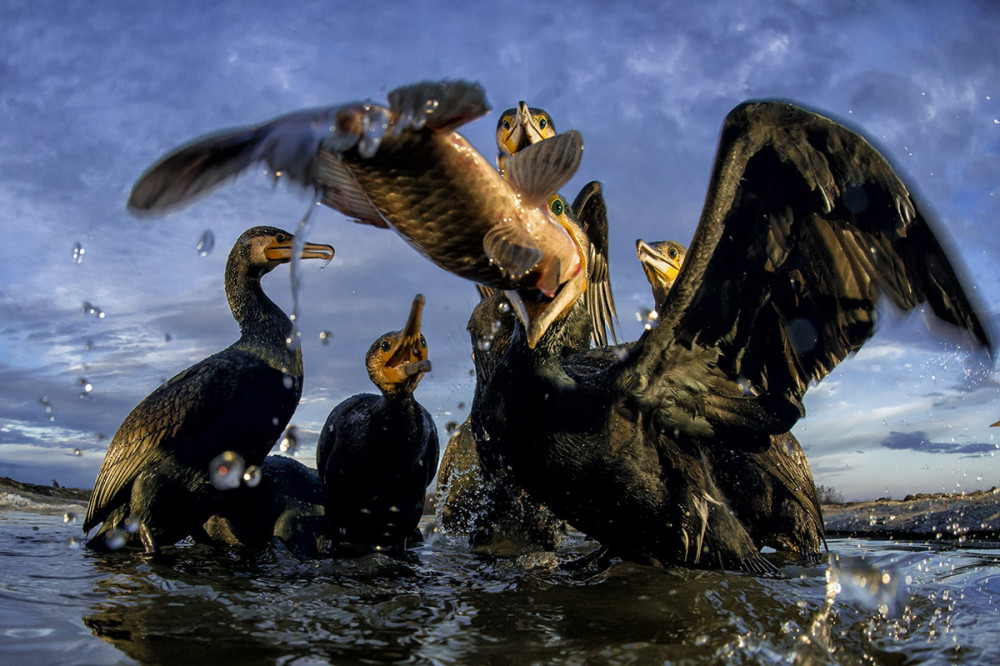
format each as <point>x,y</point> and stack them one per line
<point>918,441</point>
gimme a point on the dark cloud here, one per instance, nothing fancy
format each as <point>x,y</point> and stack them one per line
<point>918,441</point>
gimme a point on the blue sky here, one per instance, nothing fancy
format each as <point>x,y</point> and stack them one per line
<point>92,93</point>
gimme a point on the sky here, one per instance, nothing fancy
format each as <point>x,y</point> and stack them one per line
<point>98,307</point>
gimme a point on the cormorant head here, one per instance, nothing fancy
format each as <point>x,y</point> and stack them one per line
<point>521,127</point>
<point>661,261</point>
<point>261,249</point>
<point>397,360</point>
<point>536,310</point>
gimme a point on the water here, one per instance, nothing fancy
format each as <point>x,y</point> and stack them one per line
<point>62,604</point>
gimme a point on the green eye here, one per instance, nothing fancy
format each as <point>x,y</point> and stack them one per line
<point>542,123</point>
<point>385,345</point>
<point>506,124</point>
<point>423,341</point>
<point>672,253</point>
<point>556,207</point>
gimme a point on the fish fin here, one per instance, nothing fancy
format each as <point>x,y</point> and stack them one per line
<point>437,106</point>
<point>539,170</point>
<point>342,192</point>
<point>511,249</point>
<point>286,144</point>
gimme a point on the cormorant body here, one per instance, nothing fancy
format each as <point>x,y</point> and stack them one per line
<point>378,453</point>
<point>805,229</point>
<point>155,478</point>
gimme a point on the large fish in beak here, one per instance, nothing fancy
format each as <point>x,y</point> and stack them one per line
<point>403,166</point>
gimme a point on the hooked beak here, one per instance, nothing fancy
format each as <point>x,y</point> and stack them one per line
<point>282,251</point>
<point>537,312</point>
<point>408,356</point>
<point>660,269</point>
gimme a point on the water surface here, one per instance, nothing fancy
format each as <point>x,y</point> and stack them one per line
<point>873,602</point>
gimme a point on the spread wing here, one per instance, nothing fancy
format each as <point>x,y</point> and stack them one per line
<point>805,229</point>
<point>592,214</point>
<point>168,421</point>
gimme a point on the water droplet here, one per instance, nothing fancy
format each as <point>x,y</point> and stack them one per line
<point>274,421</point>
<point>114,539</point>
<point>374,124</point>
<point>78,253</point>
<point>85,387</point>
<point>226,470</point>
<point>430,106</point>
<point>288,381</point>
<point>131,524</point>
<point>393,509</point>
<point>484,344</point>
<point>69,518</point>
<point>206,243</point>
<point>167,337</point>
<point>504,306</point>
<point>88,345</point>
<point>77,452</point>
<point>92,309</point>
<point>451,428</point>
<point>72,543</point>
<point>290,441</point>
<point>252,476</point>
<point>325,337</point>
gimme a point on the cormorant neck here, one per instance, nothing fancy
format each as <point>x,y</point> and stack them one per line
<point>257,315</point>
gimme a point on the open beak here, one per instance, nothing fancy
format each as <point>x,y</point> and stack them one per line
<point>281,250</point>
<point>408,357</point>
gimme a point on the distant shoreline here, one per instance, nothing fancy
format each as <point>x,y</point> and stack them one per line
<point>971,516</point>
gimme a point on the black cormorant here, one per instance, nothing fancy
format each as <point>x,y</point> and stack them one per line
<point>155,478</point>
<point>805,228</point>
<point>378,453</point>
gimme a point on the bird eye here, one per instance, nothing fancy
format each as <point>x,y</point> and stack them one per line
<point>385,345</point>
<point>672,253</point>
<point>423,340</point>
<point>542,123</point>
<point>556,207</point>
<point>506,124</point>
<point>280,238</point>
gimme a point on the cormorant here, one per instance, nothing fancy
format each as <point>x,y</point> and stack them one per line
<point>771,492</point>
<point>805,229</point>
<point>378,453</point>
<point>155,478</point>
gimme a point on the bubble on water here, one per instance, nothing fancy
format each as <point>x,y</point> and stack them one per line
<point>290,441</point>
<point>226,470</point>
<point>78,253</point>
<point>206,243</point>
<point>92,309</point>
<point>69,518</point>
<point>325,337</point>
<point>252,476</point>
<point>114,539</point>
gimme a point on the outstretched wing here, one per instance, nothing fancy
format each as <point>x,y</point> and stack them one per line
<point>169,419</point>
<point>592,215</point>
<point>805,228</point>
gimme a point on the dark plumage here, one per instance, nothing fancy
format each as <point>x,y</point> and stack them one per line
<point>154,480</point>
<point>805,229</point>
<point>378,453</point>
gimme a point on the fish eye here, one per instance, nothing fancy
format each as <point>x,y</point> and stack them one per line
<point>556,207</point>
<point>385,346</point>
